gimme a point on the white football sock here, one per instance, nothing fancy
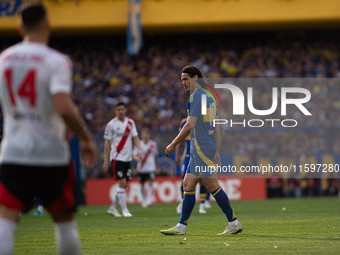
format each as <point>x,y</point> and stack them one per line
<point>7,232</point>
<point>122,200</point>
<point>67,238</point>
<point>143,191</point>
<point>181,226</point>
<point>150,195</point>
<point>115,201</point>
<point>233,223</point>
<point>201,206</point>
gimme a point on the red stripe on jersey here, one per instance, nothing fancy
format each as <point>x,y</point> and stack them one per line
<point>146,155</point>
<point>124,138</point>
<point>121,144</point>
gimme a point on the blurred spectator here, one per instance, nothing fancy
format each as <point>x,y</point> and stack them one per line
<point>310,187</point>
<point>274,187</point>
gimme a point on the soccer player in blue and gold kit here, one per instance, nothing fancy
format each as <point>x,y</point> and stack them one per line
<point>183,161</point>
<point>204,153</point>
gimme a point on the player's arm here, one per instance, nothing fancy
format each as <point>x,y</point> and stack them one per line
<point>106,155</point>
<point>177,150</point>
<point>218,139</point>
<point>139,149</point>
<point>185,131</point>
<point>74,122</point>
<point>134,154</point>
<point>179,146</point>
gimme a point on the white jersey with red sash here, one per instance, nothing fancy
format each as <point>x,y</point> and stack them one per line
<point>121,133</point>
<point>149,152</point>
<point>34,133</point>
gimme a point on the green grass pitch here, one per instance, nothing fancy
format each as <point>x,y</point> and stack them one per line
<point>279,226</point>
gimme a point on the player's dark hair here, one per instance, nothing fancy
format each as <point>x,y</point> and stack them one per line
<point>120,104</point>
<point>32,15</point>
<point>192,71</point>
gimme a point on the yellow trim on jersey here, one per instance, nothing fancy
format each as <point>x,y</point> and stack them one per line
<point>206,160</point>
<point>188,136</point>
<point>191,98</point>
<point>192,95</point>
<point>217,191</point>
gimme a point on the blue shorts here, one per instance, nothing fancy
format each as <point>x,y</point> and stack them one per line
<point>202,166</point>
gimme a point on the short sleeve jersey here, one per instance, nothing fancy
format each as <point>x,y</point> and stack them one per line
<point>120,134</point>
<point>34,133</point>
<point>202,137</point>
<point>148,162</point>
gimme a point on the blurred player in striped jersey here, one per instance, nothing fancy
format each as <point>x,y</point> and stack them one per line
<point>118,137</point>
<point>146,167</point>
<point>35,160</point>
<point>183,162</point>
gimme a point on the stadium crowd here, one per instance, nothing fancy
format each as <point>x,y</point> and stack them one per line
<point>150,84</point>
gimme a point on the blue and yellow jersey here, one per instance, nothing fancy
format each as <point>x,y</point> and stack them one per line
<point>202,136</point>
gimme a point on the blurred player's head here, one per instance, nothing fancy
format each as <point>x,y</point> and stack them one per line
<point>146,134</point>
<point>33,22</point>
<point>120,110</point>
<point>190,73</point>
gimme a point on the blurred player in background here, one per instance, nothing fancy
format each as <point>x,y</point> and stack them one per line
<point>118,152</point>
<point>40,208</point>
<point>35,158</point>
<point>205,144</point>
<point>183,162</point>
<point>146,167</point>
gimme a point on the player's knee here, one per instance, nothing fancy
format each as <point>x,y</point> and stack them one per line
<point>122,183</point>
<point>211,184</point>
<point>210,189</point>
<point>9,214</point>
<point>188,186</point>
